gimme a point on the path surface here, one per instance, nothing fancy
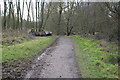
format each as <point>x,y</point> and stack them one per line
<point>57,61</point>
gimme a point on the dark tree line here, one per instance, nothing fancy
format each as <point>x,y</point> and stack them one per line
<point>99,19</point>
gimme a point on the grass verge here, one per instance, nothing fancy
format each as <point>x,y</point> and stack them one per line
<point>17,58</point>
<point>26,49</point>
<point>93,62</point>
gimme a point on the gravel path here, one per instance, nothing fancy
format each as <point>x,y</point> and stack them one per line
<point>57,61</point>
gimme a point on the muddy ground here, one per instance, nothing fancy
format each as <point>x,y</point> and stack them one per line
<point>57,61</point>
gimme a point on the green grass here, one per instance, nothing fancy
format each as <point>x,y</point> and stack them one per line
<point>25,49</point>
<point>93,62</point>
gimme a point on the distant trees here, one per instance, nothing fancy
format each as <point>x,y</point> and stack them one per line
<point>114,12</point>
<point>69,20</point>
<point>83,18</point>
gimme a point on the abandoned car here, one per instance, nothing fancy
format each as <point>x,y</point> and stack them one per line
<point>42,33</point>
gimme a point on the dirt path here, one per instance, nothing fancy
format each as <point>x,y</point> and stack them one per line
<point>57,61</point>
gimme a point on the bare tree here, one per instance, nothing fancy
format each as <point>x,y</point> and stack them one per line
<point>42,15</point>
<point>21,15</point>
<point>18,12</point>
<point>36,14</point>
<point>28,8</point>
<point>32,9</point>
<point>5,11</point>
<point>9,15</point>
<point>47,15</point>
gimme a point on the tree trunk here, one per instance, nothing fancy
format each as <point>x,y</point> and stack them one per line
<point>36,16</point>
<point>4,19</point>
<point>42,16</point>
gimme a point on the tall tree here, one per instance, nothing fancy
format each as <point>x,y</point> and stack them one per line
<point>5,11</point>
<point>28,8</point>
<point>42,15</point>
<point>18,13</point>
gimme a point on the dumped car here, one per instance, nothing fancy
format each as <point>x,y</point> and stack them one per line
<point>42,33</point>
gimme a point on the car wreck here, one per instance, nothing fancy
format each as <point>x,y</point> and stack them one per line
<point>40,33</point>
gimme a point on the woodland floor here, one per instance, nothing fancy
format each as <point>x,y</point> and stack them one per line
<point>57,61</point>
